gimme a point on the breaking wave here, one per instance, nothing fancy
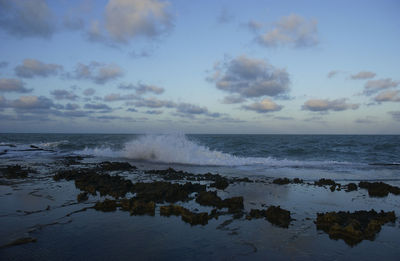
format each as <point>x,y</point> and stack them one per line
<point>179,149</point>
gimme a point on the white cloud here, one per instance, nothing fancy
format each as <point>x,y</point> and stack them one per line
<point>328,105</point>
<point>32,67</point>
<point>266,105</point>
<point>388,96</point>
<point>373,86</point>
<point>97,72</point>
<point>12,85</point>
<point>293,30</point>
<point>129,19</point>
<point>363,75</point>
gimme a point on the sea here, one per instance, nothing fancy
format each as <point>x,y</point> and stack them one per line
<point>341,157</point>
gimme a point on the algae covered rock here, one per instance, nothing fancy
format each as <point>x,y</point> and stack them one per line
<point>278,216</point>
<point>186,215</point>
<point>379,189</point>
<point>353,227</point>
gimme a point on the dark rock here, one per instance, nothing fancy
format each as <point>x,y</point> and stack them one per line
<point>186,215</point>
<point>281,181</point>
<point>113,166</point>
<point>351,187</point>
<point>353,227</point>
<point>107,205</point>
<point>278,216</point>
<point>15,172</point>
<point>297,181</point>
<point>210,198</point>
<point>82,197</point>
<point>284,181</point>
<point>220,183</point>
<point>324,182</point>
<point>379,189</point>
<point>160,191</point>
<point>88,180</point>
<point>257,213</point>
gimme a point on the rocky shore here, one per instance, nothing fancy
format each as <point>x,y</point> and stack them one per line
<point>198,199</point>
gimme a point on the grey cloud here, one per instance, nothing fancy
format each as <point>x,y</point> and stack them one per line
<point>225,16</point>
<point>232,99</point>
<point>141,54</point>
<point>373,86</point>
<point>32,103</point>
<point>142,88</point>
<point>266,105</point>
<point>366,120</point>
<point>292,30</point>
<point>3,64</point>
<point>31,68</point>
<point>250,78</point>
<point>63,95</point>
<point>388,96</point>
<point>333,73</point>
<point>118,97</point>
<point>72,106</point>
<point>321,105</point>
<point>12,85</point>
<point>97,106</point>
<point>97,72</point>
<point>395,115</point>
<point>31,18</point>
<point>282,118</point>
<point>253,26</point>
<point>154,103</point>
<point>153,112</point>
<point>89,92</point>
<point>131,110</point>
<point>363,75</point>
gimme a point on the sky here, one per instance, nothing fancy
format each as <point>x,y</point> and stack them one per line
<point>154,66</point>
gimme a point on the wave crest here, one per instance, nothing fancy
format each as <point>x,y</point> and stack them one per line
<point>179,149</point>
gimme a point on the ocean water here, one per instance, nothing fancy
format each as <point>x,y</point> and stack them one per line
<point>307,156</point>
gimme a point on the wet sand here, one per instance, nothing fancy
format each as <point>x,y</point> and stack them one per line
<point>42,220</point>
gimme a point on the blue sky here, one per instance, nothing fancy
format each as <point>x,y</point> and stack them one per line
<point>153,66</point>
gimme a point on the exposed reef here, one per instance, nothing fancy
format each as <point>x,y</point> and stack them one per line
<point>353,227</point>
<point>379,189</point>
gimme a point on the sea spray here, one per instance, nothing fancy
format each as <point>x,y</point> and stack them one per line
<point>179,149</point>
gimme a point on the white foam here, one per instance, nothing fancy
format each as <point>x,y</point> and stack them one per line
<point>180,150</point>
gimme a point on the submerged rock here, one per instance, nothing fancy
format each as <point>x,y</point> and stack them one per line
<point>21,241</point>
<point>353,227</point>
<point>379,189</point>
<point>113,166</point>
<point>186,215</point>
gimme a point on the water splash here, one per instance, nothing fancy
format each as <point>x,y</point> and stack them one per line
<point>179,149</point>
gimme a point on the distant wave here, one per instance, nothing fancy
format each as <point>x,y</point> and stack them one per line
<point>179,149</point>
